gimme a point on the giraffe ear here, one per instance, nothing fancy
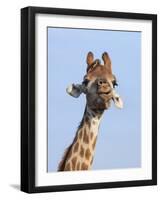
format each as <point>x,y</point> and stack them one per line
<point>117,100</point>
<point>74,90</point>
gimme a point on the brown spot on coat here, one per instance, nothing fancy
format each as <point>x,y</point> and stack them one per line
<point>85,137</point>
<point>81,151</point>
<point>80,135</point>
<point>94,142</point>
<point>69,154</point>
<point>87,154</point>
<point>67,167</point>
<point>76,146</point>
<point>91,135</point>
<point>75,139</point>
<point>87,121</point>
<point>84,166</point>
<point>91,161</point>
<point>78,166</point>
<point>74,162</point>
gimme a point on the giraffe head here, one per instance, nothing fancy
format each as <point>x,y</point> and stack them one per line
<point>98,84</point>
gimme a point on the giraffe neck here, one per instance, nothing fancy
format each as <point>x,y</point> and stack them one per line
<point>79,155</point>
<point>91,121</point>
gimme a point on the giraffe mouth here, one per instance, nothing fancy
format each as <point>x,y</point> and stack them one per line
<point>105,96</point>
<point>104,93</point>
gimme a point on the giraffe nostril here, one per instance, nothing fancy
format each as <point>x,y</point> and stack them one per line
<point>102,82</point>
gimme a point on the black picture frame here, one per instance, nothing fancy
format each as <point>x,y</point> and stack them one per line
<point>28,98</point>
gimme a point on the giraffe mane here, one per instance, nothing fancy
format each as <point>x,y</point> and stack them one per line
<point>61,165</point>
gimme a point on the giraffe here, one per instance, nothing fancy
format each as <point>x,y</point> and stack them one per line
<point>99,87</point>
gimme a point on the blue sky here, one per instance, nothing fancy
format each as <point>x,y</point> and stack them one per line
<point>119,139</point>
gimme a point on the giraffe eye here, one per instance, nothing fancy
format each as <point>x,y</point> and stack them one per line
<point>85,82</point>
<point>114,82</point>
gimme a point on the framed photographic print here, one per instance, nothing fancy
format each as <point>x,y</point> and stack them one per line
<point>88,99</point>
